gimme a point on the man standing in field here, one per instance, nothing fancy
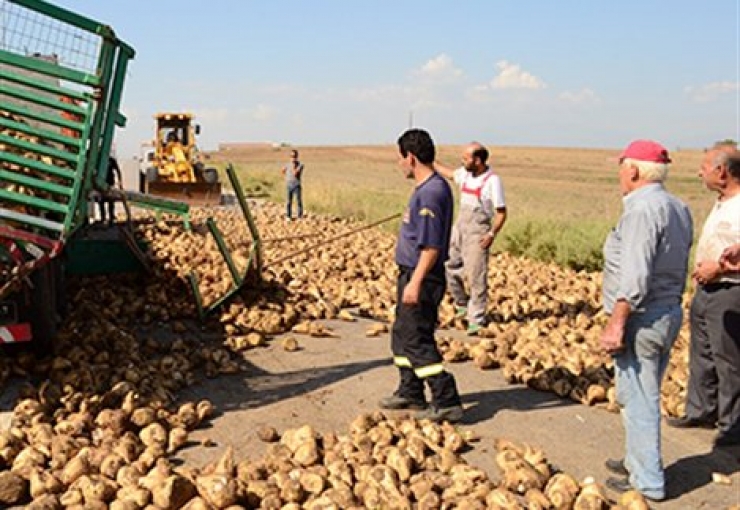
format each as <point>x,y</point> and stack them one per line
<point>645,264</point>
<point>713,394</point>
<point>482,215</point>
<point>421,250</point>
<point>293,171</point>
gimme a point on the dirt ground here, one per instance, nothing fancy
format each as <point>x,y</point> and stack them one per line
<point>329,381</point>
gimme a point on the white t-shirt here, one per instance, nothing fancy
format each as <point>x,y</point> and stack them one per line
<point>721,229</point>
<point>491,195</point>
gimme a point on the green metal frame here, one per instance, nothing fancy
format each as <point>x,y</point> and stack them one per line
<point>254,262</point>
<point>160,205</point>
<point>49,192</point>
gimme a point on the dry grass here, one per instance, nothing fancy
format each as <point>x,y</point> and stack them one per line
<point>561,202</point>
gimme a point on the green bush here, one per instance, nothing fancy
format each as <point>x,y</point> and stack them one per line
<point>578,246</point>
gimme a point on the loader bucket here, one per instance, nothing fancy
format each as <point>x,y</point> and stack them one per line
<point>192,193</point>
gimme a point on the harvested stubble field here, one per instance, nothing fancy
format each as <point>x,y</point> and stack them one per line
<point>98,425</point>
<point>561,202</point>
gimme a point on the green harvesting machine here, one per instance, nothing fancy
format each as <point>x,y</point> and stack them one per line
<point>61,81</point>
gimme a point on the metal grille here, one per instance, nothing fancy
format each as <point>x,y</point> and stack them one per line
<point>30,33</point>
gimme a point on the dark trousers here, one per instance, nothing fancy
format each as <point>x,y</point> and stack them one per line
<point>714,363</point>
<point>414,349</point>
<point>111,209</point>
<point>294,192</point>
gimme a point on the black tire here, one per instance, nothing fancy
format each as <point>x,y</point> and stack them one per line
<point>59,269</point>
<point>152,174</point>
<point>210,175</point>
<point>43,313</point>
<point>198,168</point>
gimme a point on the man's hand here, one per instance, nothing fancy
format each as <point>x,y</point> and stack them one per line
<point>427,258</point>
<point>706,271</point>
<point>410,294</point>
<point>730,258</point>
<point>486,240</point>
<point>612,339</point>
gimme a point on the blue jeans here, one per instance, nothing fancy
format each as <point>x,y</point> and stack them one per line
<point>295,192</point>
<point>639,371</point>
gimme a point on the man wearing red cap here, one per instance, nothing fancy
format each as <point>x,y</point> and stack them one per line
<point>713,393</point>
<point>645,264</point>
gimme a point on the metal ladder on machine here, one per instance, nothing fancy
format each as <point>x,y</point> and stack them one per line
<point>57,118</point>
<point>254,262</point>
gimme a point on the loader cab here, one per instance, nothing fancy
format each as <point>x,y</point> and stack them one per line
<point>175,128</point>
<point>173,134</point>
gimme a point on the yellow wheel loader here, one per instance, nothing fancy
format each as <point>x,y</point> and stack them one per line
<point>174,167</point>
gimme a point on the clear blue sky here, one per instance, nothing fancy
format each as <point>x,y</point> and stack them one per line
<point>574,73</point>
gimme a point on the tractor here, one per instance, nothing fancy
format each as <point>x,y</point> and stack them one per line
<point>174,167</point>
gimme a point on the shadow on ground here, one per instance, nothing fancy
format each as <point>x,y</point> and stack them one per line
<point>256,387</point>
<point>483,405</point>
<point>691,473</point>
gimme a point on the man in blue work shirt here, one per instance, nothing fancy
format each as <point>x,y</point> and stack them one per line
<point>645,263</point>
<point>421,251</point>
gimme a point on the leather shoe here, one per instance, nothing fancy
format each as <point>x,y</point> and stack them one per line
<point>399,402</point>
<point>684,422</point>
<point>619,485</point>
<point>622,485</point>
<point>616,466</point>
<point>439,414</point>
